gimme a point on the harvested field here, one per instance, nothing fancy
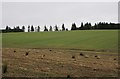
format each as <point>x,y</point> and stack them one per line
<point>59,63</point>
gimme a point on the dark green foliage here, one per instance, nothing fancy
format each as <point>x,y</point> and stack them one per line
<point>23,28</point>
<point>15,29</point>
<point>50,28</point>
<point>32,28</point>
<point>86,26</point>
<point>73,27</point>
<point>7,28</point>
<point>63,27</point>
<point>38,29</point>
<point>28,28</point>
<point>45,28</point>
<point>100,25</point>
<point>4,68</point>
<point>56,28</point>
<point>82,26</point>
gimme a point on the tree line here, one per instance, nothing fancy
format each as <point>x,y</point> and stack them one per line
<point>31,28</point>
<point>100,25</point>
<point>15,29</point>
<point>86,26</point>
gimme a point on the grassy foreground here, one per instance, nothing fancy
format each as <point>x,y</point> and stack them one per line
<point>84,39</point>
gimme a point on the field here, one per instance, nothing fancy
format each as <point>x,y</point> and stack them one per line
<point>86,40</point>
<point>86,53</point>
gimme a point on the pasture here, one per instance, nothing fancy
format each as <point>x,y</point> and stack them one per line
<point>84,40</point>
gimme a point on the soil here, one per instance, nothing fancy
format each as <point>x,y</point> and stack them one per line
<point>59,63</point>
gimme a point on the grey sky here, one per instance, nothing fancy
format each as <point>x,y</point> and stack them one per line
<point>52,13</point>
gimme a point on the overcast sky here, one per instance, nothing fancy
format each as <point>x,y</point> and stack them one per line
<point>56,13</point>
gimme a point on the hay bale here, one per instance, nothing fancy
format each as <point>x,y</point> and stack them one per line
<point>96,56</point>
<point>94,69</point>
<point>43,55</point>
<point>50,50</point>
<point>115,59</point>
<point>26,53</point>
<point>86,56</point>
<point>4,68</point>
<point>73,57</point>
<point>81,54</point>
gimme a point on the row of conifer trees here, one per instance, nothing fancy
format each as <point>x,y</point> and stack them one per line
<point>86,26</point>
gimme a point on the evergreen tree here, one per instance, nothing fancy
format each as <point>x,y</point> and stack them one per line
<point>63,27</point>
<point>95,26</point>
<point>73,27</point>
<point>28,28</point>
<point>50,28</point>
<point>17,27</point>
<point>45,28</point>
<point>82,26</point>
<point>7,28</point>
<point>56,28</point>
<point>87,26</point>
<point>32,28</point>
<point>23,28</point>
<point>38,29</point>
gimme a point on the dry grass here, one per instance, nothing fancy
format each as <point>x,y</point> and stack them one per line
<point>46,63</point>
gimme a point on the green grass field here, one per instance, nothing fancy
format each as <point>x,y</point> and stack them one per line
<point>84,39</point>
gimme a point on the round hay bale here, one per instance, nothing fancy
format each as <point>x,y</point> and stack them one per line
<point>50,50</point>
<point>86,56</point>
<point>81,54</point>
<point>115,59</point>
<point>94,69</point>
<point>43,55</point>
<point>26,53</point>
<point>73,57</point>
<point>98,57</point>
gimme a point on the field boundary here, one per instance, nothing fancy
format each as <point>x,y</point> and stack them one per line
<point>91,50</point>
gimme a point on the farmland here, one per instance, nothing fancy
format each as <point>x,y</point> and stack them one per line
<point>89,40</point>
<point>85,53</point>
